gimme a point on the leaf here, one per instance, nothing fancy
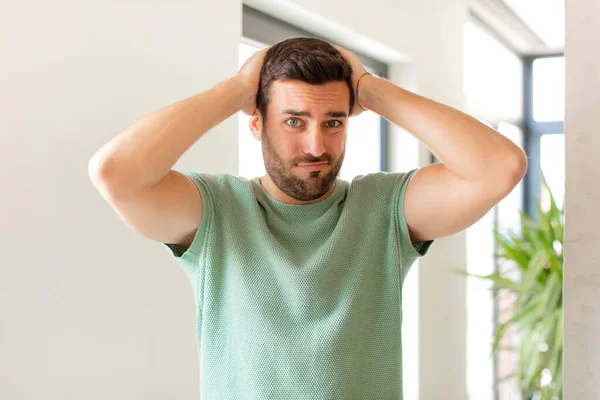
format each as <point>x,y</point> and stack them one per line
<point>529,311</point>
<point>503,379</point>
<point>536,251</point>
<point>498,280</point>
<point>530,277</point>
<point>514,251</point>
<point>553,292</point>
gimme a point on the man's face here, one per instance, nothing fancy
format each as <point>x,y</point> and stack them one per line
<point>305,124</point>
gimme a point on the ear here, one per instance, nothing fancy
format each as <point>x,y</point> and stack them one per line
<point>256,123</point>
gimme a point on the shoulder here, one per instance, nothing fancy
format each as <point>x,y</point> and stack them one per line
<point>218,181</point>
<point>224,189</point>
<point>380,183</point>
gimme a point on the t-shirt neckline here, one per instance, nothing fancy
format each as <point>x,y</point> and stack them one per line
<point>319,206</point>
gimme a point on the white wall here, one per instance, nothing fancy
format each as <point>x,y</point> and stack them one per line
<point>89,308</point>
<point>582,241</point>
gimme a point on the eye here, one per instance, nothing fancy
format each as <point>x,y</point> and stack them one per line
<point>335,121</point>
<point>294,125</point>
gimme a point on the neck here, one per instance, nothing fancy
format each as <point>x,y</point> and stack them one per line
<point>272,189</point>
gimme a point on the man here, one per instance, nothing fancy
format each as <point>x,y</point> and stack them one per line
<point>298,274</point>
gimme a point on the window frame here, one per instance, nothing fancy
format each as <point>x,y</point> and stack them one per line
<point>532,129</point>
<point>532,132</point>
<point>532,135</point>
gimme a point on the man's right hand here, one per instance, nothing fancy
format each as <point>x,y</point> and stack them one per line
<point>249,76</point>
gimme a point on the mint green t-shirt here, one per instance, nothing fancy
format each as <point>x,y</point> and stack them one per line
<point>300,302</point>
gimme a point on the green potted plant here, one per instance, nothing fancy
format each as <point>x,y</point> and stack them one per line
<point>537,253</point>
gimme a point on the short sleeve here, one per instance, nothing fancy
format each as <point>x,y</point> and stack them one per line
<point>198,242</point>
<point>409,251</point>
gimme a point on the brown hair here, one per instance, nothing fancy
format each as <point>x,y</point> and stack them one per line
<point>309,60</point>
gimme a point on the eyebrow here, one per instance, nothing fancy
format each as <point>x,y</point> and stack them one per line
<point>303,113</point>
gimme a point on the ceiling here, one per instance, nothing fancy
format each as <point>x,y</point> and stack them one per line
<point>528,27</point>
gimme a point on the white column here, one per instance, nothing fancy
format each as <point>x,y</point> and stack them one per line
<point>582,219</point>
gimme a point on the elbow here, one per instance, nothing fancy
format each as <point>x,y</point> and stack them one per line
<point>96,169</point>
<point>519,165</point>
<point>101,173</point>
<point>515,169</point>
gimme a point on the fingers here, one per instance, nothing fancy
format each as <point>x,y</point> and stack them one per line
<point>340,49</point>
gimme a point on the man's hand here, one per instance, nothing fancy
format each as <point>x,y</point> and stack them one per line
<point>357,70</point>
<point>249,76</point>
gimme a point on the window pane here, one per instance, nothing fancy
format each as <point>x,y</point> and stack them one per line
<point>480,302</point>
<point>552,149</point>
<point>250,151</point>
<point>363,146</point>
<point>549,89</point>
<point>493,77</point>
<point>480,309</point>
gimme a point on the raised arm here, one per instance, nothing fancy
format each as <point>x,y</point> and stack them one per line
<point>479,165</point>
<point>133,170</point>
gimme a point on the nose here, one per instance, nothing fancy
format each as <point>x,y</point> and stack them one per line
<point>314,142</point>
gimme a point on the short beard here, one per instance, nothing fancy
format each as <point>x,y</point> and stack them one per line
<point>316,186</point>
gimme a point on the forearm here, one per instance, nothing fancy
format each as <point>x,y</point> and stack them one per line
<point>143,154</point>
<point>468,148</point>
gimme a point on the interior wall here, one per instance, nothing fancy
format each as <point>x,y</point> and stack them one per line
<point>582,196</point>
<point>90,309</point>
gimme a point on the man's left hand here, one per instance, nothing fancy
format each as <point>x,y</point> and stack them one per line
<point>357,70</point>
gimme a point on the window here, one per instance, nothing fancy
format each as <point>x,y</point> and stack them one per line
<point>544,128</point>
<point>552,163</point>
<point>493,86</point>
<point>522,96</point>
<point>250,151</point>
<point>549,89</point>
<point>493,77</point>
<point>508,213</point>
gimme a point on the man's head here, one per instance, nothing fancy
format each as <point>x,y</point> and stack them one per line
<point>304,99</point>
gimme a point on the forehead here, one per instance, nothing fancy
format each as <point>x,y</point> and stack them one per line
<point>292,94</point>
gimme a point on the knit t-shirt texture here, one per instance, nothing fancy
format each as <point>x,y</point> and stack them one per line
<point>300,301</point>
